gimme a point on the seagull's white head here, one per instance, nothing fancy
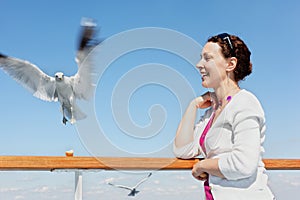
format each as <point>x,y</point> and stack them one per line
<point>59,76</point>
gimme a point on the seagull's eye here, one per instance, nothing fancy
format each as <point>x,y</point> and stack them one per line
<point>56,76</point>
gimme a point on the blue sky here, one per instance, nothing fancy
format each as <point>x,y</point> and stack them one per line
<point>45,33</point>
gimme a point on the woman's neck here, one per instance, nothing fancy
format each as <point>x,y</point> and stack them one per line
<point>224,93</point>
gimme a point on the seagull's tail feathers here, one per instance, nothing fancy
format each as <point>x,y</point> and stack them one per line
<point>77,113</point>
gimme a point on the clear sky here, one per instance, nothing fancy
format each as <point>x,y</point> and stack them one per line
<point>45,33</point>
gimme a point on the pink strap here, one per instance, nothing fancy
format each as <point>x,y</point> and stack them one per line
<point>204,133</point>
<point>207,190</point>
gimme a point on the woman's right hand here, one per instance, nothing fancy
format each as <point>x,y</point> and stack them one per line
<point>206,100</point>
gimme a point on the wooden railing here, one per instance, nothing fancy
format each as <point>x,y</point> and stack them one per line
<point>49,163</point>
<point>79,164</point>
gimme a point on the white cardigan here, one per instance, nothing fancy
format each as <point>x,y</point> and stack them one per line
<point>236,138</point>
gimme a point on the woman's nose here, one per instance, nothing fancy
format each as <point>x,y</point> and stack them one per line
<point>199,65</point>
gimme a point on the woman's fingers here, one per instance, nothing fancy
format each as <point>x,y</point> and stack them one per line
<point>198,173</point>
<point>203,101</point>
<point>201,177</point>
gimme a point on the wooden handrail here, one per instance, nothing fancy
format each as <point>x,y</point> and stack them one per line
<point>49,163</point>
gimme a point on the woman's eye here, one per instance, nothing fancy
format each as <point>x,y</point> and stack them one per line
<point>207,58</point>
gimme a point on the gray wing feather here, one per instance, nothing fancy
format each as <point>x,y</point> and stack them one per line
<point>143,180</point>
<point>121,186</point>
<point>82,81</point>
<point>30,76</point>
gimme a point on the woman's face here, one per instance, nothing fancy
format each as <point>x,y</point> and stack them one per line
<point>212,65</point>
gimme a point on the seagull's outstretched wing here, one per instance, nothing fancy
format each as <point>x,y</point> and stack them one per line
<point>143,180</point>
<point>121,186</point>
<point>83,79</point>
<point>30,76</point>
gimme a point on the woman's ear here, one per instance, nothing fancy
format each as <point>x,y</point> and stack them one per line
<point>231,64</point>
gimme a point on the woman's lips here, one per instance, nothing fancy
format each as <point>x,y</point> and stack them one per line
<point>203,75</point>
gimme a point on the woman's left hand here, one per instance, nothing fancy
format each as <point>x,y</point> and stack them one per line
<point>198,173</point>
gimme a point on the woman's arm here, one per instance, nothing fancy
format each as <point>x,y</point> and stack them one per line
<point>243,161</point>
<point>185,130</point>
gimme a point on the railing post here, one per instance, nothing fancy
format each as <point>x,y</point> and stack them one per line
<point>78,185</point>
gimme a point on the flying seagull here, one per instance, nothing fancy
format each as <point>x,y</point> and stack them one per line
<point>133,190</point>
<point>60,87</point>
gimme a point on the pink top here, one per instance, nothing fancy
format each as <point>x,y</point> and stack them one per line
<point>207,127</point>
<point>207,191</point>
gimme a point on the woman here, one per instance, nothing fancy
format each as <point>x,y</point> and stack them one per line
<point>231,132</point>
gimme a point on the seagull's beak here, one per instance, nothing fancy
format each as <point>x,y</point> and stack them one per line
<point>59,77</point>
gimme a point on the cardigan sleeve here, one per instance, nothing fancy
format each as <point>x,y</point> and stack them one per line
<point>186,152</point>
<point>247,128</point>
<point>192,149</point>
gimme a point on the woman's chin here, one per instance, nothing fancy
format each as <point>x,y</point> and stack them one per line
<point>204,84</point>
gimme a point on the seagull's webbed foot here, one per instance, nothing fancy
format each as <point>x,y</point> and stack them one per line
<point>64,121</point>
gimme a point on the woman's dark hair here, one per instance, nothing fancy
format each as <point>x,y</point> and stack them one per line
<point>233,46</point>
